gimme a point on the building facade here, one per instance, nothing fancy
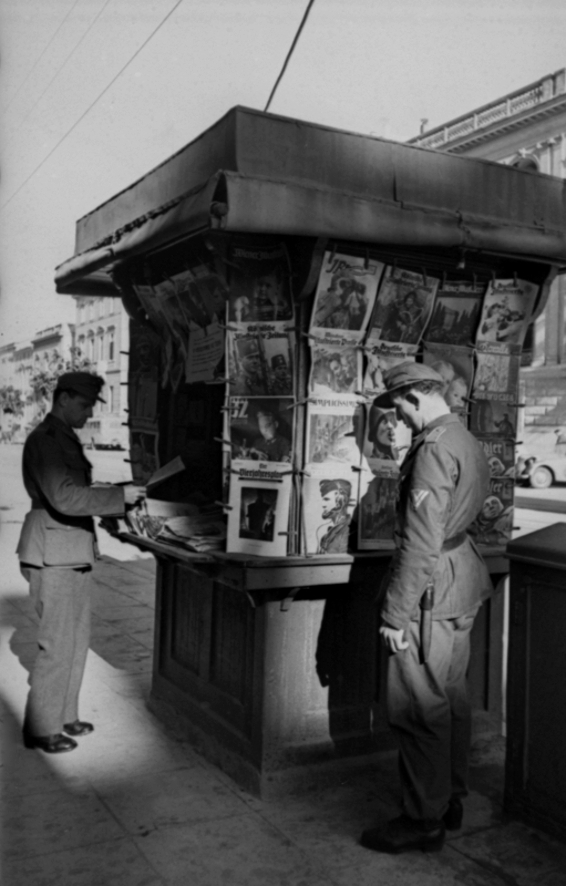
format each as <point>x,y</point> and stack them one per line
<point>527,129</point>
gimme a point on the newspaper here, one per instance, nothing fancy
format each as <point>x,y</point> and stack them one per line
<point>494,524</point>
<point>403,307</point>
<point>507,310</point>
<point>336,364</point>
<point>456,366</point>
<point>329,498</point>
<point>259,283</point>
<point>334,430</point>
<point>205,354</point>
<point>379,487</point>
<point>260,359</point>
<point>497,372</point>
<point>258,519</point>
<point>261,428</point>
<point>500,455</point>
<point>456,312</point>
<point>380,357</point>
<point>345,293</point>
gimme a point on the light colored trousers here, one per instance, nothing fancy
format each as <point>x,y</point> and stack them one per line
<point>430,714</point>
<point>62,599</point>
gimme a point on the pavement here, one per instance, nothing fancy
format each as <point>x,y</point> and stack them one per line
<point>134,805</point>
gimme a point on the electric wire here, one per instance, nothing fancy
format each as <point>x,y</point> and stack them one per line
<point>92,104</point>
<point>40,56</point>
<point>290,53</point>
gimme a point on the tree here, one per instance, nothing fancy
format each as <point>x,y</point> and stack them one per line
<point>11,400</point>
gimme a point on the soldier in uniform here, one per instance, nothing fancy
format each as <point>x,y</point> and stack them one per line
<point>333,536</point>
<point>57,549</point>
<point>436,585</point>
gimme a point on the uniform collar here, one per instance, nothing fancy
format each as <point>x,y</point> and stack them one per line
<point>55,422</point>
<point>447,419</point>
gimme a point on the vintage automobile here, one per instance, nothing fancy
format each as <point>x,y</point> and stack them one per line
<point>545,471</point>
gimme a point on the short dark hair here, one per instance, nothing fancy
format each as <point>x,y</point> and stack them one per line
<point>425,387</point>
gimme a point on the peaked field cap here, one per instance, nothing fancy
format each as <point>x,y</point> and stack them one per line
<point>403,374</point>
<point>84,383</point>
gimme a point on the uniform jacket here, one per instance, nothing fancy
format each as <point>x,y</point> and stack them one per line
<point>444,482</point>
<point>59,529</point>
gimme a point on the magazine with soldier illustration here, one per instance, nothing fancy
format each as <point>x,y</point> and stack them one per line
<point>403,306</point>
<point>456,366</point>
<point>379,486</point>
<point>329,498</point>
<point>261,428</point>
<point>380,357</point>
<point>260,359</point>
<point>334,430</point>
<point>456,312</point>
<point>336,365</point>
<point>258,514</point>
<point>345,293</point>
<point>386,438</point>
<point>259,283</point>
<point>494,524</point>
<point>500,455</point>
<point>493,417</point>
<point>497,371</point>
<point>507,311</point>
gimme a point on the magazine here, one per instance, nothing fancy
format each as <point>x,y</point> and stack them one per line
<point>144,457</point>
<point>386,438</point>
<point>206,353</point>
<point>336,364</point>
<point>260,359</point>
<point>497,372</point>
<point>379,358</point>
<point>379,487</point>
<point>258,517</point>
<point>143,377</point>
<point>403,306</point>
<point>507,311</point>
<point>500,455</point>
<point>261,428</point>
<point>259,283</point>
<point>345,293</point>
<point>330,495</point>
<point>494,524</point>
<point>334,430</point>
<point>493,417</point>
<point>456,366</point>
<point>456,313</point>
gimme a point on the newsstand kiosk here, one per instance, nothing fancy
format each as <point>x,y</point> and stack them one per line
<point>273,269</point>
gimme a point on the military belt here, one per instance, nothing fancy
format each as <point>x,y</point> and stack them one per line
<point>455,541</point>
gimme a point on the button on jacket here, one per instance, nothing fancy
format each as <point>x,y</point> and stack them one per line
<point>59,530</point>
<point>444,482</point>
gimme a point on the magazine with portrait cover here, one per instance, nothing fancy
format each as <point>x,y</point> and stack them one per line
<point>205,357</point>
<point>386,438</point>
<point>334,430</point>
<point>494,524</point>
<point>143,376</point>
<point>456,312</point>
<point>380,357</point>
<point>258,514</point>
<point>260,359</point>
<point>500,455</point>
<point>403,306</point>
<point>507,310</point>
<point>259,283</point>
<point>456,366</point>
<point>261,428</point>
<point>497,372</point>
<point>379,487</point>
<point>336,364</point>
<point>329,499</point>
<point>490,417</point>
<point>202,293</point>
<point>345,294</point>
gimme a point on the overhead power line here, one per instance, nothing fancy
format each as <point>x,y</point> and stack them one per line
<point>92,104</point>
<point>290,53</point>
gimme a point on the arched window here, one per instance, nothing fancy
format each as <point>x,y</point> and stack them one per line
<point>111,344</point>
<point>528,162</point>
<point>90,345</point>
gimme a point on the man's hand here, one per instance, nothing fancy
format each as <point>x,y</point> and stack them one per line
<point>133,494</point>
<point>393,639</point>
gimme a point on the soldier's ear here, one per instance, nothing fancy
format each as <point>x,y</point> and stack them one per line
<point>413,399</point>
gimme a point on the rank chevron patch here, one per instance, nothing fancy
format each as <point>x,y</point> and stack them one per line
<point>418,496</point>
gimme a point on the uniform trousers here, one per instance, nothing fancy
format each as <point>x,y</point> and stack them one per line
<point>430,714</point>
<point>62,599</point>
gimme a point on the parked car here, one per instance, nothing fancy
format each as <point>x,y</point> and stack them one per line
<point>546,471</point>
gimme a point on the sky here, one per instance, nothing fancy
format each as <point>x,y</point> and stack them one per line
<point>95,93</point>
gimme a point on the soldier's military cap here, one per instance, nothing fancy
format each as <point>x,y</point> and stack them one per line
<point>400,376</point>
<point>84,383</point>
<point>343,486</point>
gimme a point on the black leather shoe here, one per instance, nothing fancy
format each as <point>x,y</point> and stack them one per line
<point>51,744</point>
<point>404,833</point>
<point>79,727</point>
<point>453,816</point>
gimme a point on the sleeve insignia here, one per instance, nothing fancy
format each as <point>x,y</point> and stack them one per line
<point>418,496</point>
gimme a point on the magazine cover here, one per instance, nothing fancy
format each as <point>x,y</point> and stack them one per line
<point>379,358</point>
<point>259,283</point>
<point>203,295</point>
<point>258,516</point>
<point>386,438</point>
<point>507,309</point>
<point>260,359</point>
<point>175,315</point>
<point>205,358</point>
<point>456,366</point>
<point>494,524</point>
<point>261,428</point>
<point>497,372</point>
<point>330,495</point>
<point>500,455</point>
<point>334,430</point>
<point>403,306</point>
<point>493,417</point>
<point>379,487</point>
<point>143,377</point>
<point>345,294</point>
<point>336,365</point>
<point>144,455</point>
<point>456,312</point>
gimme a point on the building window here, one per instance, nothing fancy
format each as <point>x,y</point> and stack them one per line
<point>527,162</point>
<point>111,345</point>
<point>111,398</point>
